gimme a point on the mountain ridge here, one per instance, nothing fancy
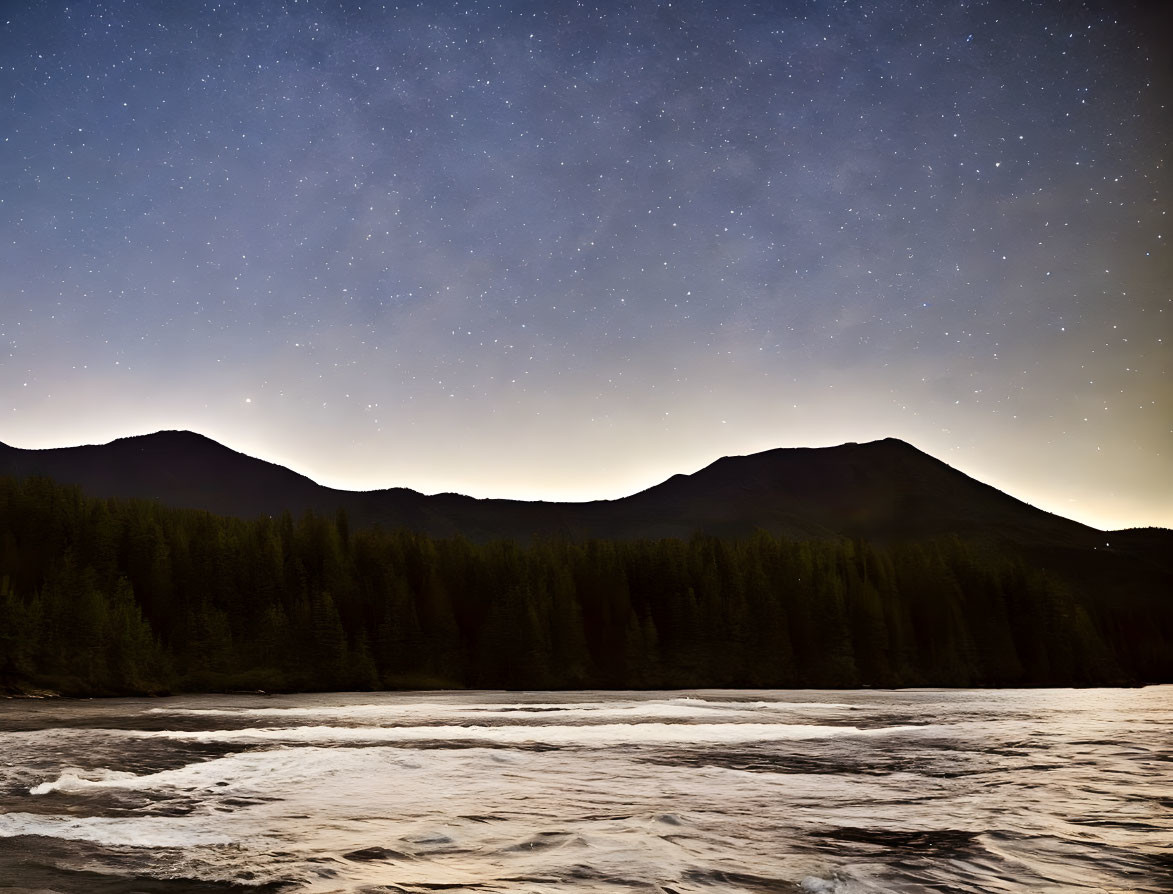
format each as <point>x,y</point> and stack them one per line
<point>884,489</point>
<point>860,564</point>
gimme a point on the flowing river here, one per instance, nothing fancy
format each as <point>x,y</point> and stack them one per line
<point>710,791</point>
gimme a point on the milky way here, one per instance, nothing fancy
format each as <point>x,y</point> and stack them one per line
<point>562,251</point>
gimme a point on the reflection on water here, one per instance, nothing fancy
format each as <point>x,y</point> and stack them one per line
<point>698,792</point>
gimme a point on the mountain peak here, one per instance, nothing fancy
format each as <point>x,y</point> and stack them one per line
<point>172,437</point>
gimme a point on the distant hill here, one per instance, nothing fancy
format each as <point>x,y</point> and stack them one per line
<point>883,490</point>
<point>863,564</point>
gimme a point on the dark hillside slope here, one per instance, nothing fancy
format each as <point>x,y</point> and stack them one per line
<point>187,470</point>
<point>177,468</point>
<point>885,490</point>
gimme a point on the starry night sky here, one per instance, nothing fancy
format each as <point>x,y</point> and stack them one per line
<point>564,250</point>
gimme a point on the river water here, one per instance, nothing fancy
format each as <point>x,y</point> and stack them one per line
<point>712,791</point>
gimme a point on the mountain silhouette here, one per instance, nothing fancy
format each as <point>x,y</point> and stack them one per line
<point>967,583</point>
<point>883,490</point>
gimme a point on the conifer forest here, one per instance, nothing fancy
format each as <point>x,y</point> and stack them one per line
<point>103,597</point>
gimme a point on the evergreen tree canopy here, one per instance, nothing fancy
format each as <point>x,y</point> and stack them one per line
<point>111,596</point>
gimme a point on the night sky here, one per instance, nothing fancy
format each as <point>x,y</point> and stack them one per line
<point>564,250</point>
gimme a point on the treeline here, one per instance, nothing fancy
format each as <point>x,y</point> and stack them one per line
<point>109,596</point>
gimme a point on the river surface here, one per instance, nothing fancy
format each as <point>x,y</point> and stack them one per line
<point>711,791</point>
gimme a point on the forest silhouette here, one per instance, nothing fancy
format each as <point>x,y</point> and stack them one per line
<point>115,596</point>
